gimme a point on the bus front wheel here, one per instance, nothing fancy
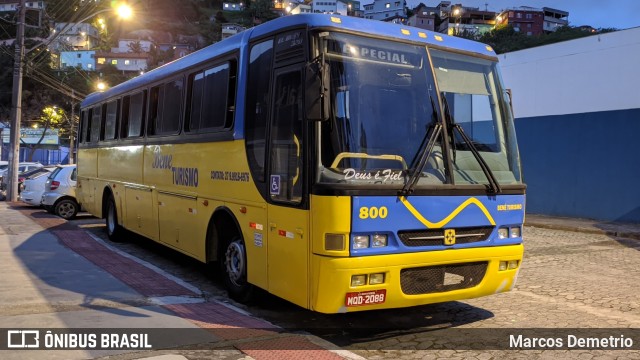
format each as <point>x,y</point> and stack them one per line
<point>235,271</point>
<point>114,230</point>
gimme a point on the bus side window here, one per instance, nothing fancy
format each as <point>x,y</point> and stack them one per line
<point>211,99</point>
<point>111,120</point>
<point>132,115</point>
<point>96,124</point>
<point>84,125</point>
<point>165,107</point>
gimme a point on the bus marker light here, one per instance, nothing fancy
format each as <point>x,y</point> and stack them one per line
<point>422,35</point>
<point>375,279</point>
<point>379,240</point>
<point>361,241</point>
<point>503,233</point>
<point>405,32</point>
<point>334,242</point>
<point>336,20</point>
<point>243,209</point>
<point>205,202</point>
<point>503,266</point>
<point>513,264</point>
<point>358,280</point>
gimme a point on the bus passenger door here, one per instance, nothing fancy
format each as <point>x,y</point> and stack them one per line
<point>288,245</point>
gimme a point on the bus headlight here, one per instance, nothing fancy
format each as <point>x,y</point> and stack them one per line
<point>379,240</point>
<point>503,233</point>
<point>515,232</point>
<point>360,241</point>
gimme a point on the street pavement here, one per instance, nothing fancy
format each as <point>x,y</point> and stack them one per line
<point>55,275</point>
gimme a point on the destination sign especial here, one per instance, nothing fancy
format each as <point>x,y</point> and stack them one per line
<point>375,54</point>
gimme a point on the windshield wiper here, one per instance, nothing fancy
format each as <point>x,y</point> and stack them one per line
<point>428,142</point>
<point>451,123</point>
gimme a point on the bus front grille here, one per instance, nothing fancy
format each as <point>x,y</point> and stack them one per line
<point>441,278</point>
<point>435,237</point>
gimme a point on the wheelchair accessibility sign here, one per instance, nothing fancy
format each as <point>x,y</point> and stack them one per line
<point>274,187</point>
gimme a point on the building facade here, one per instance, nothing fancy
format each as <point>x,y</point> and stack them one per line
<point>330,7</point>
<point>81,59</point>
<point>524,19</point>
<point>385,9</point>
<point>74,36</point>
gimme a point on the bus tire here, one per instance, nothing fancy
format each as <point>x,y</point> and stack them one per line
<point>234,263</point>
<point>114,230</point>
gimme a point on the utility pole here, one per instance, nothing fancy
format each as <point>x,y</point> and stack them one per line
<point>16,109</point>
<point>71,128</point>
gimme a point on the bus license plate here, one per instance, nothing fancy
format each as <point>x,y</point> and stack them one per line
<point>366,298</point>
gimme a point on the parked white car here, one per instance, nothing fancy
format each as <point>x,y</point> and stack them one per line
<point>60,192</point>
<point>22,167</point>
<point>34,188</point>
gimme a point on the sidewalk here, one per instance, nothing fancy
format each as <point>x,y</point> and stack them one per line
<point>623,230</point>
<point>63,278</point>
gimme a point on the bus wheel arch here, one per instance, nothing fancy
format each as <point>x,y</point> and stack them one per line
<point>226,245</point>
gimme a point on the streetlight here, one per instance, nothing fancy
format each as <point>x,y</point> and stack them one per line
<point>16,101</point>
<point>458,13</point>
<point>101,86</point>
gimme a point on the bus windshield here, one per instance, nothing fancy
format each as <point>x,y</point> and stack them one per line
<point>385,98</point>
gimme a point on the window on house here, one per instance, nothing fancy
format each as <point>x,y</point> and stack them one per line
<point>387,5</point>
<point>127,62</point>
<point>114,62</point>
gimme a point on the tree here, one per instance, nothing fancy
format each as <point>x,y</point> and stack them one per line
<point>51,117</point>
<point>135,47</point>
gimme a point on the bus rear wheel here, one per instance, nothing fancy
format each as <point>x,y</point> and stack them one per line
<point>235,271</point>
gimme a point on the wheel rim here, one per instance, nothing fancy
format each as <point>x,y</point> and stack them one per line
<point>111,218</point>
<point>66,209</point>
<point>235,263</point>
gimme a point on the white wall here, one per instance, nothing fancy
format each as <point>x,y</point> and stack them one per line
<point>596,73</point>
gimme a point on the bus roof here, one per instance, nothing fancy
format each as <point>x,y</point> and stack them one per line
<point>311,21</point>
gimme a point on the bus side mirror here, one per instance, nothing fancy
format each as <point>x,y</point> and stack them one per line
<point>316,99</point>
<point>510,100</point>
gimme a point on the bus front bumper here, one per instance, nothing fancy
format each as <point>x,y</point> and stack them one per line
<point>412,279</point>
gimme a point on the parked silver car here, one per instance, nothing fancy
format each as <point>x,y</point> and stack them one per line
<point>60,192</point>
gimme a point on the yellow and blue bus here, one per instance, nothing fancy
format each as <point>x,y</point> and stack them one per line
<point>342,164</point>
